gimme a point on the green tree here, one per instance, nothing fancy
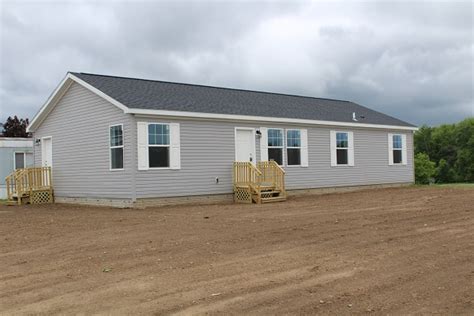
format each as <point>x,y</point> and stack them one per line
<point>424,168</point>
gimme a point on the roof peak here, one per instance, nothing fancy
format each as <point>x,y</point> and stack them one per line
<point>207,86</point>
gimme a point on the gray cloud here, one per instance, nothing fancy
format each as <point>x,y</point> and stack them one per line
<point>410,60</point>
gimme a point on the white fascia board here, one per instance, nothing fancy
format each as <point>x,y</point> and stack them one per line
<point>64,85</point>
<point>59,92</point>
<point>15,143</point>
<point>99,93</point>
<point>47,106</point>
<point>262,119</point>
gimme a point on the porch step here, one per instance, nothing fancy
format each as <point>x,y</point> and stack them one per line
<point>274,199</point>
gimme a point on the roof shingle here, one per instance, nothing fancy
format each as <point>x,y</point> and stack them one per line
<point>162,95</point>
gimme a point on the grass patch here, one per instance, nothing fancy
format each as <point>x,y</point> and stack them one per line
<point>2,202</point>
<point>447,185</point>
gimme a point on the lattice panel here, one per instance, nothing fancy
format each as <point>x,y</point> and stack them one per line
<point>41,197</point>
<point>243,195</point>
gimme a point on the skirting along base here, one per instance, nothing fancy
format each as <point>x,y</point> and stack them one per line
<point>210,199</point>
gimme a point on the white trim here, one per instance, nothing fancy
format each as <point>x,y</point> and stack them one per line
<point>99,93</point>
<point>67,81</point>
<point>263,144</point>
<point>42,150</point>
<point>49,104</point>
<point>113,147</point>
<point>168,146</point>
<point>403,150</point>
<point>57,94</point>
<point>287,147</point>
<point>263,119</point>
<point>283,147</point>
<point>14,158</point>
<point>254,152</point>
<point>16,143</point>
<point>349,148</point>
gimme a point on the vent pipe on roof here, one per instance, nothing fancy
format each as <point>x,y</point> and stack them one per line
<point>354,116</point>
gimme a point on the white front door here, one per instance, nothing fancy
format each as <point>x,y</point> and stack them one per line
<point>245,144</point>
<point>47,152</point>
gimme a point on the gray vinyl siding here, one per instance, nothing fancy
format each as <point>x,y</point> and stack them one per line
<point>208,150</point>
<point>79,126</point>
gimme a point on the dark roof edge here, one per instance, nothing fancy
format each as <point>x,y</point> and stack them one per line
<point>206,86</point>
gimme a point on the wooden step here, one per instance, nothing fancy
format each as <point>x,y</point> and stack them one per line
<point>11,203</point>
<point>274,199</point>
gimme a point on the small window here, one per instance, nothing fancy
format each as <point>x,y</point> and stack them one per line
<point>275,145</point>
<point>19,160</point>
<point>159,145</point>
<point>293,147</point>
<point>397,149</point>
<point>116,147</point>
<point>342,148</point>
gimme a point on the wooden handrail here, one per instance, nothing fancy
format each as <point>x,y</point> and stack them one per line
<point>26,180</point>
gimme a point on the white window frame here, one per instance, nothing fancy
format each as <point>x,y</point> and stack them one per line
<point>291,147</point>
<point>334,148</point>
<point>391,149</point>
<point>148,146</point>
<point>113,147</point>
<point>283,160</point>
<point>14,158</point>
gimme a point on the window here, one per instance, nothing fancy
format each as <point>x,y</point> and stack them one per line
<point>293,147</point>
<point>159,145</point>
<point>19,161</point>
<point>397,149</point>
<point>116,147</point>
<point>342,148</point>
<point>275,145</point>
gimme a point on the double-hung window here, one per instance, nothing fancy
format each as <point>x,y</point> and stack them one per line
<point>397,149</point>
<point>275,145</point>
<point>116,147</point>
<point>342,148</point>
<point>159,145</point>
<point>293,147</point>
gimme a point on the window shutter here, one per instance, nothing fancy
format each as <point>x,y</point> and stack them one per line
<point>390,149</point>
<point>175,146</point>
<point>304,148</point>
<point>404,149</point>
<point>264,144</point>
<point>350,136</point>
<point>333,148</point>
<point>142,141</point>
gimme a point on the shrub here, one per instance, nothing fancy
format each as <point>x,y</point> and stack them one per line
<point>424,168</point>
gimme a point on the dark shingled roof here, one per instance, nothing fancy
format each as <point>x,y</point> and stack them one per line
<point>161,95</point>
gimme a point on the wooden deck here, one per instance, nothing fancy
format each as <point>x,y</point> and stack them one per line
<point>262,183</point>
<point>30,185</point>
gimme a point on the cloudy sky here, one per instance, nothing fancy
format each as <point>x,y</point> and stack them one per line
<point>413,60</point>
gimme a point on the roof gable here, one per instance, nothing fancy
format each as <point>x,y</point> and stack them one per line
<point>142,96</point>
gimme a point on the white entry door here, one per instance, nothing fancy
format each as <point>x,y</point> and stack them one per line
<point>245,144</point>
<point>47,152</point>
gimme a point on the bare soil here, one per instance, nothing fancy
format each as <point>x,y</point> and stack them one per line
<point>390,251</point>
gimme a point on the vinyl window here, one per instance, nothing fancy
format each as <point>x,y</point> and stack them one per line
<point>397,149</point>
<point>293,147</point>
<point>159,145</point>
<point>116,147</point>
<point>20,160</point>
<point>275,145</point>
<point>342,148</point>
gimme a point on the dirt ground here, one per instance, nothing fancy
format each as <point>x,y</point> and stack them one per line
<point>389,251</point>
